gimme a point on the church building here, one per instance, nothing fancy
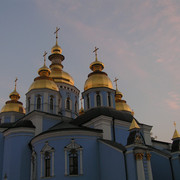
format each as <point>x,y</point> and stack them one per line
<point>53,137</point>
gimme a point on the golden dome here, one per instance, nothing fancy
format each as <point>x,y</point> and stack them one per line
<point>120,104</point>
<point>44,81</point>
<point>97,78</point>
<point>13,105</point>
<point>44,71</point>
<point>58,75</point>
<point>96,66</point>
<point>56,49</point>
<point>14,95</point>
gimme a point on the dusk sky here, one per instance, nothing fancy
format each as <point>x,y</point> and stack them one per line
<point>138,41</point>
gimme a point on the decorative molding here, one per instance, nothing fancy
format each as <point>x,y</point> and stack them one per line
<point>148,156</point>
<point>66,133</point>
<point>139,156</point>
<point>19,130</point>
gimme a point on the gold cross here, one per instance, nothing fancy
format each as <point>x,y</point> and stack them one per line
<point>115,80</point>
<point>95,51</point>
<point>15,82</point>
<point>45,53</point>
<point>175,124</point>
<point>56,32</point>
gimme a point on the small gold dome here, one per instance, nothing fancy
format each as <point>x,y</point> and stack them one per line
<point>14,95</point>
<point>98,79</point>
<point>56,49</point>
<point>120,104</point>
<point>13,105</point>
<point>44,71</point>
<point>44,81</point>
<point>96,66</point>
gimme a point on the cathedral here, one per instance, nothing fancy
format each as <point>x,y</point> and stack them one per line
<point>54,137</point>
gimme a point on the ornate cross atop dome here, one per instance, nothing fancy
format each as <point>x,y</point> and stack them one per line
<point>56,32</point>
<point>16,82</point>
<point>44,55</point>
<point>115,80</point>
<point>95,51</point>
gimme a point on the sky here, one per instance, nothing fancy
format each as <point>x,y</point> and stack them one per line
<point>138,41</point>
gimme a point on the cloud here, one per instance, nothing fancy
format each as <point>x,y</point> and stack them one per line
<point>173,101</point>
<point>159,60</point>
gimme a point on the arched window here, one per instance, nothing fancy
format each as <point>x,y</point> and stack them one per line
<point>38,102</point>
<point>47,164</point>
<point>29,104</point>
<point>47,161</point>
<point>109,99</point>
<point>73,162</point>
<point>98,100</point>
<point>88,102</point>
<point>76,107</point>
<point>74,151</point>
<point>51,103</point>
<point>68,103</point>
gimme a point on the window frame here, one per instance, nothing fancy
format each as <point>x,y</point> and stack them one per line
<point>50,150</point>
<point>79,166</point>
<point>51,103</point>
<point>38,102</point>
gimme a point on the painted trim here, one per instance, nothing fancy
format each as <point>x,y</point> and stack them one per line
<point>19,130</point>
<point>65,133</point>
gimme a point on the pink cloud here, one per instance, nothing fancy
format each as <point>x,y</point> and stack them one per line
<point>173,101</point>
<point>160,60</point>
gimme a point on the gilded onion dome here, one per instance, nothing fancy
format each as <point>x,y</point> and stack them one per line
<point>13,105</point>
<point>121,105</point>
<point>57,74</point>
<point>97,78</point>
<point>43,80</point>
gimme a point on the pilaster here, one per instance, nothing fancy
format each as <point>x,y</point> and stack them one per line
<point>148,158</point>
<point>140,167</point>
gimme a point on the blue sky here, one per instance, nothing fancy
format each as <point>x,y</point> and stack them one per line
<point>138,42</point>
